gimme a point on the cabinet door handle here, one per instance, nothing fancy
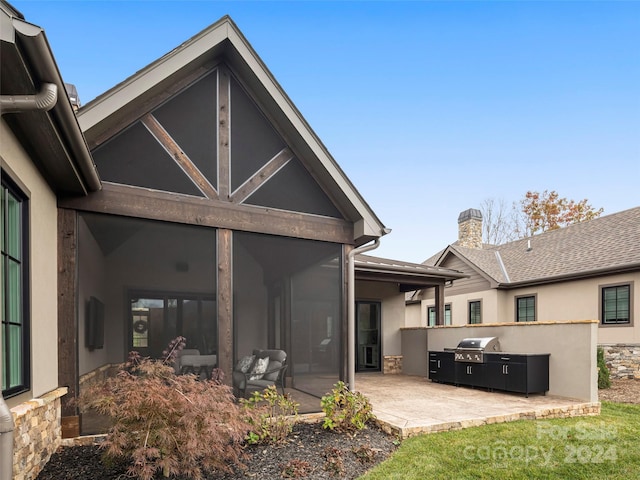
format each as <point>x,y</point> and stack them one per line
<point>438,363</point>
<point>506,369</point>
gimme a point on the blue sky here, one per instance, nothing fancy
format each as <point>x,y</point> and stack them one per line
<point>429,107</point>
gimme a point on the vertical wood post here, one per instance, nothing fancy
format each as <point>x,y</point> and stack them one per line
<point>225,303</point>
<point>224,134</point>
<point>344,334</point>
<point>440,304</point>
<point>68,373</point>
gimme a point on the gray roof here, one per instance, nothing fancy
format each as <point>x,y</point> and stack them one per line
<point>607,244</point>
<point>404,273</point>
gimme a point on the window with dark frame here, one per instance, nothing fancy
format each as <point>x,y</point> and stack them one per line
<point>526,309</point>
<point>15,313</point>
<point>475,312</point>
<point>431,315</point>
<point>616,305</point>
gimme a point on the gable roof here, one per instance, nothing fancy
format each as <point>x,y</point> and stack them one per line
<point>224,42</point>
<point>605,245</point>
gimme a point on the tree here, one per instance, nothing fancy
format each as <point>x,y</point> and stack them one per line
<point>535,213</point>
<point>549,211</point>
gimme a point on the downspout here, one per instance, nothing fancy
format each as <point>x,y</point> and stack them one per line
<point>43,101</point>
<point>351,311</point>
<point>6,441</point>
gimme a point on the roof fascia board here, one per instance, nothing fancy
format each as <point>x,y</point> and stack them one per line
<point>634,267</point>
<point>370,226</point>
<point>128,90</point>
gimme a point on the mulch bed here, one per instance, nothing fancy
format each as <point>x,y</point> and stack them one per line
<point>329,455</point>
<point>621,391</point>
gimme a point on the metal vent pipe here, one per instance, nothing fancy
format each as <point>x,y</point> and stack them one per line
<point>43,101</point>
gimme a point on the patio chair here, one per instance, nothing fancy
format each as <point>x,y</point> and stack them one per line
<point>260,370</point>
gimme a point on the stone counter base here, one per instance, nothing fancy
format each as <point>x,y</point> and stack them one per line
<point>37,433</point>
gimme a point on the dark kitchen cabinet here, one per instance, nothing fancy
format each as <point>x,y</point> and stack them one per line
<point>521,373</point>
<point>518,373</point>
<point>471,374</point>
<point>441,367</point>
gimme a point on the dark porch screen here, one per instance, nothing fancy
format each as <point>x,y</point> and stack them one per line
<point>287,295</point>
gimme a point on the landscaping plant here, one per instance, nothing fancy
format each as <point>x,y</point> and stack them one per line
<point>271,416</point>
<point>345,411</point>
<point>169,424</point>
<point>604,381</point>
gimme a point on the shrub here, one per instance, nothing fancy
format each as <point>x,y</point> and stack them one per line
<point>364,454</point>
<point>603,371</point>
<point>273,418</point>
<point>334,463</point>
<point>166,423</point>
<point>345,411</point>
<point>295,469</point>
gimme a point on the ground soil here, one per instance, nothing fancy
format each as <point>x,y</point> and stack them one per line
<point>621,391</point>
<point>307,443</point>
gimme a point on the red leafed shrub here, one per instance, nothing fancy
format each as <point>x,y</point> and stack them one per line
<point>166,423</point>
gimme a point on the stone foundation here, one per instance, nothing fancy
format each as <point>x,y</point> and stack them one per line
<point>98,375</point>
<point>623,360</point>
<point>37,433</point>
<point>392,364</point>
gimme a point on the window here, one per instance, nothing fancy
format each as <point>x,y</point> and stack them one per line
<point>526,309</point>
<point>616,304</point>
<point>475,312</point>
<point>15,314</point>
<point>431,315</point>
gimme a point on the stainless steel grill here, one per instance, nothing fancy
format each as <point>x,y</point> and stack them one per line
<point>473,349</point>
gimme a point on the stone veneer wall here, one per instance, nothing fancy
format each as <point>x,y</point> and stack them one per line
<point>392,364</point>
<point>623,360</point>
<point>98,375</point>
<point>37,433</point>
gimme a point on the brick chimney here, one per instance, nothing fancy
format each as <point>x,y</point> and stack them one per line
<point>470,228</point>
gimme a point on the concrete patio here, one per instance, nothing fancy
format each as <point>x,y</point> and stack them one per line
<point>410,405</point>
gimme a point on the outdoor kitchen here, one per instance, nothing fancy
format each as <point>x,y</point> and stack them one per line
<point>541,358</point>
<point>480,362</point>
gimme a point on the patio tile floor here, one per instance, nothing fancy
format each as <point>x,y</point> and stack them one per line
<point>410,405</point>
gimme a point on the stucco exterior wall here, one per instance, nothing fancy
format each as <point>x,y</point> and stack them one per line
<point>43,257</point>
<point>393,312</point>
<point>575,300</point>
<point>572,345</point>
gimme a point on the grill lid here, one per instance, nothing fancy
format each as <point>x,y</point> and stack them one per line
<point>486,344</point>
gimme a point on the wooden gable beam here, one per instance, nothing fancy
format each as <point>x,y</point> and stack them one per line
<point>262,176</point>
<point>172,207</point>
<point>181,158</point>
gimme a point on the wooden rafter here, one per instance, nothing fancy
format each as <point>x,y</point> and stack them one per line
<point>181,158</point>
<point>261,176</point>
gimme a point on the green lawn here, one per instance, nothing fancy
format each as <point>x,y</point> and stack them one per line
<point>602,447</point>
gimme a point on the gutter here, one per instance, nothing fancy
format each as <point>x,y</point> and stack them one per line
<point>351,311</point>
<point>34,47</point>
